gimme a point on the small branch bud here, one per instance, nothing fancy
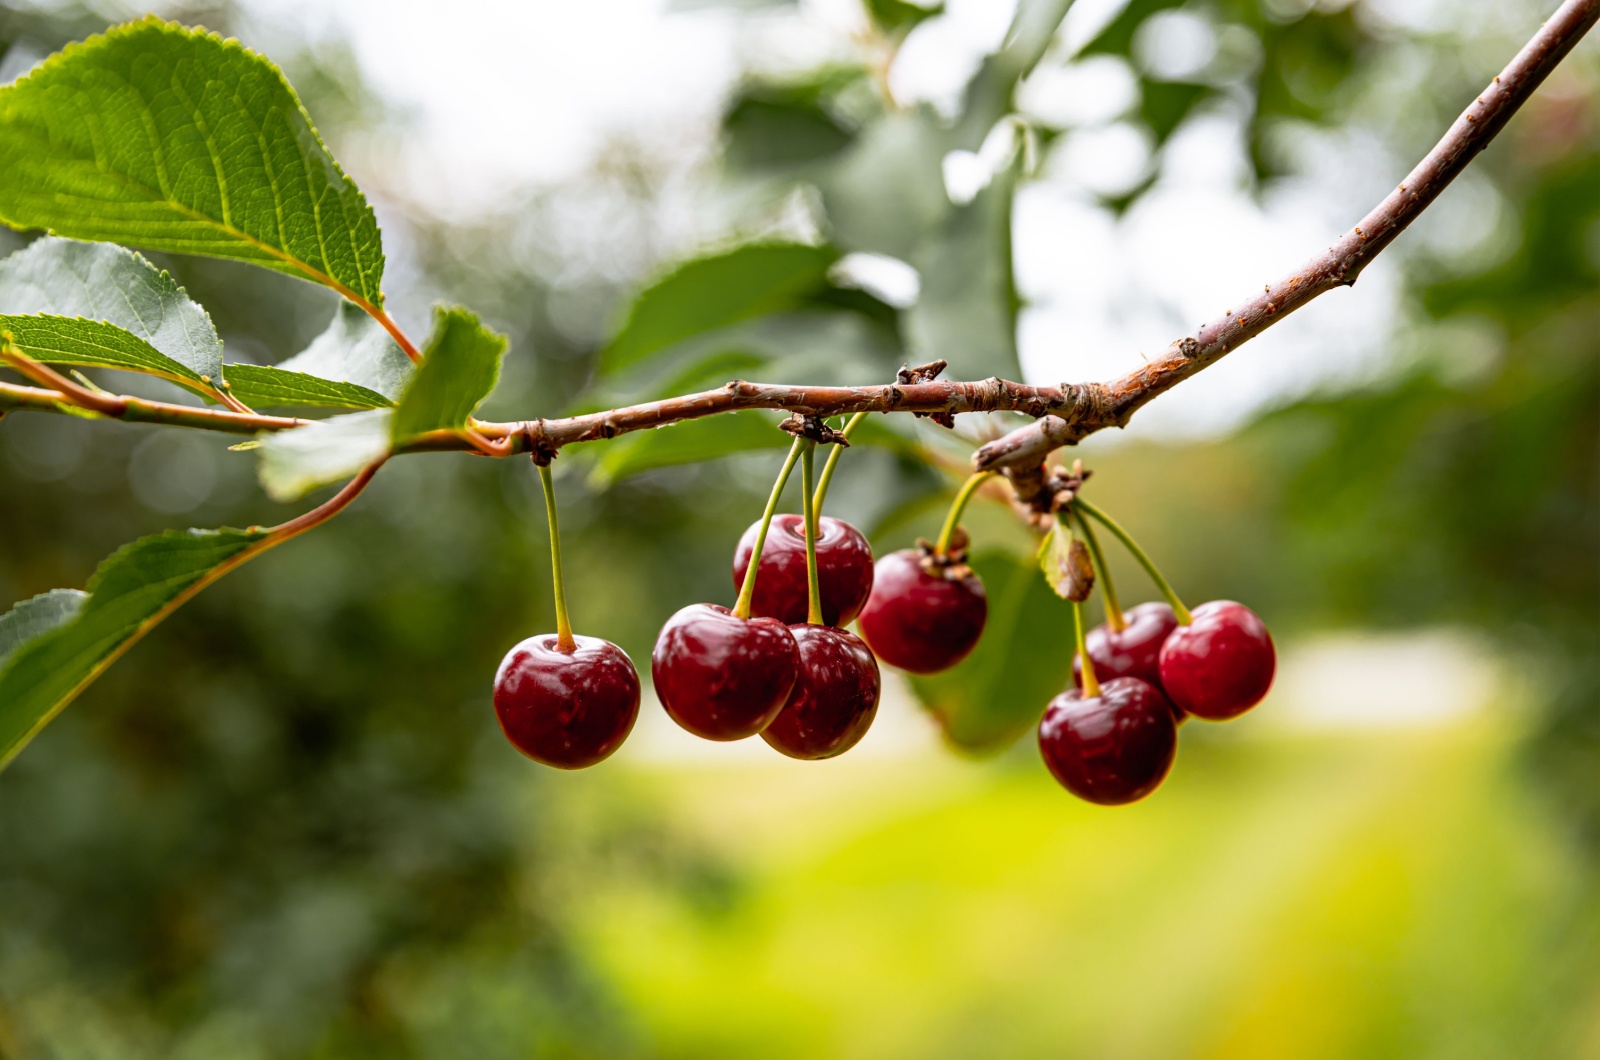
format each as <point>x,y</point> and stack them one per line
<point>813,428</point>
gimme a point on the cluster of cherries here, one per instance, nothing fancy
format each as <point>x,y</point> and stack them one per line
<point>1112,737</point>
<point>780,663</point>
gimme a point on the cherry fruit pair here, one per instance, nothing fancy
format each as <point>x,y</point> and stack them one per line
<point>1112,737</point>
<point>1113,740</point>
<point>1216,667</point>
<point>810,690</point>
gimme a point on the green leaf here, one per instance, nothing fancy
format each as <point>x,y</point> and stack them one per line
<point>262,386</point>
<point>1164,104</point>
<point>159,136</point>
<point>900,16</point>
<point>31,618</point>
<point>780,125</point>
<point>295,462</point>
<point>713,292</point>
<point>90,343</point>
<point>353,364</point>
<point>688,442</point>
<point>967,311</point>
<point>135,588</point>
<point>992,93</point>
<point>1065,563</point>
<point>98,281</point>
<point>999,691</point>
<point>355,349</point>
<point>459,369</point>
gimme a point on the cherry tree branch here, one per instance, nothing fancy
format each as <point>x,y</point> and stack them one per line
<point>1101,405</point>
<point>137,410</point>
<point>548,435</point>
<point>1066,414</point>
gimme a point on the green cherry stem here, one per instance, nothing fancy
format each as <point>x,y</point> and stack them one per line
<point>1114,617</point>
<point>1091,683</point>
<point>747,590</point>
<point>564,639</point>
<point>808,465</point>
<point>958,506</point>
<point>1184,617</point>
<point>826,479</point>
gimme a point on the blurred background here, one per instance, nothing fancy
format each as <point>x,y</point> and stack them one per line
<point>286,825</point>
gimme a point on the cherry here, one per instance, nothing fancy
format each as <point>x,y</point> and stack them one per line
<point>567,709</point>
<point>1221,664</point>
<point>835,696</point>
<point>720,676</point>
<point>1111,749</point>
<point>844,569</point>
<point>1135,650</point>
<point>923,617</point>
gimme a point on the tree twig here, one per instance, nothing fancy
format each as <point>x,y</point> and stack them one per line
<point>1102,405</point>
<point>988,395</point>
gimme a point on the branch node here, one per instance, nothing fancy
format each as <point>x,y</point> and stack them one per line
<point>534,438</point>
<point>923,373</point>
<point>813,428</point>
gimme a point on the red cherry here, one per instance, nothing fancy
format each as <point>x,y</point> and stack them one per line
<point>1221,664</point>
<point>720,676</point>
<point>844,570</point>
<point>1134,651</point>
<point>1113,748</point>
<point>567,709</point>
<point>923,620</point>
<point>834,699</point>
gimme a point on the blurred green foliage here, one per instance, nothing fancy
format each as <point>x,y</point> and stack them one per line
<point>286,825</point>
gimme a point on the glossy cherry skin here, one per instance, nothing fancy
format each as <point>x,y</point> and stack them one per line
<point>720,676</point>
<point>1111,749</point>
<point>1134,651</point>
<point>922,621</point>
<point>1221,664</point>
<point>834,699</point>
<point>844,570</point>
<point>566,709</point>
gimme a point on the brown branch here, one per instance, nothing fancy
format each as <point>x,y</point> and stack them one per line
<point>988,395</point>
<point>139,410</point>
<point>1102,405</point>
<point>1066,414</point>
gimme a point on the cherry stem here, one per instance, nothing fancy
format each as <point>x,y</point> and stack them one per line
<point>1114,617</point>
<point>747,590</point>
<point>833,461</point>
<point>1184,617</point>
<point>1091,683</point>
<point>958,506</point>
<point>813,583</point>
<point>564,639</point>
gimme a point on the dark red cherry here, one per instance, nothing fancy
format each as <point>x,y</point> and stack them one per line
<point>921,617</point>
<point>835,696</point>
<point>1221,664</point>
<point>1113,748</point>
<point>720,676</point>
<point>1133,651</point>
<point>567,709</point>
<point>844,570</point>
